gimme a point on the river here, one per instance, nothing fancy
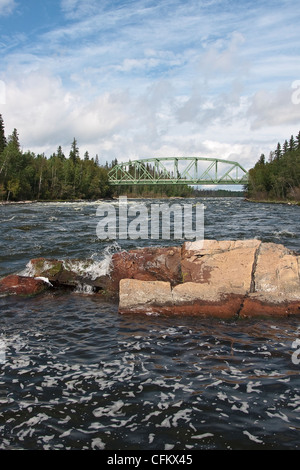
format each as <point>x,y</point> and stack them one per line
<point>74,374</point>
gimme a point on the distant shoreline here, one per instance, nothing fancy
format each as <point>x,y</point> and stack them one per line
<point>270,201</point>
<point>263,201</point>
<point>11,203</point>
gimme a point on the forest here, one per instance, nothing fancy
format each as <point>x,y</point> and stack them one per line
<point>278,177</point>
<point>27,176</point>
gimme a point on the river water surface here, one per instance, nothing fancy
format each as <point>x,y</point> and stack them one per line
<point>74,374</point>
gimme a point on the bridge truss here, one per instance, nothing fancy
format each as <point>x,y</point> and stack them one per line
<point>178,170</point>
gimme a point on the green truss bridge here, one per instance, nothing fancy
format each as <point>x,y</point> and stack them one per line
<point>178,170</point>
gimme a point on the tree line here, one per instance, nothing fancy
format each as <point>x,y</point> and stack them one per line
<point>27,176</point>
<point>278,177</point>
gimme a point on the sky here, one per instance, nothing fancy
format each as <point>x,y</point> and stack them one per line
<point>140,78</point>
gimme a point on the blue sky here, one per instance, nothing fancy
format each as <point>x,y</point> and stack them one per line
<point>140,78</point>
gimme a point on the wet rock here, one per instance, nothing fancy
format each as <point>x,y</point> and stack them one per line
<point>200,299</point>
<point>269,305</point>
<point>226,279</point>
<point>157,297</point>
<point>22,286</point>
<point>71,273</point>
<point>147,264</point>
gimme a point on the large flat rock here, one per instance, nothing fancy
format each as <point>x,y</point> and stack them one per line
<point>145,296</point>
<point>226,279</point>
<point>277,271</point>
<point>224,266</point>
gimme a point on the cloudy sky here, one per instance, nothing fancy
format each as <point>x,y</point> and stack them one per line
<point>139,78</point>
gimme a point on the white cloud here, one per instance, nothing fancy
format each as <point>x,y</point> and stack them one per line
<point>7,7</point>
<point>274,108</point>
<point>77,9</point>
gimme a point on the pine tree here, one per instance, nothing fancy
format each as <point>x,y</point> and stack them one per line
<point>285,147</point>
<point>60,153</point>
<point>14,140</point>
<point>74,152</point>
<point>2,135</point>
<point>292,144</point>
<point>298,141</point>
<point>278,152</point>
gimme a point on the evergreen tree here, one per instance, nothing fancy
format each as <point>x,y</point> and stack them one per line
<point>60,153</point>
<point>14,140</point>
<point>279,178</point>
<point>278,151</point>
<point>292,144</point>
<point>2,135</point>
<point>298,141</point>
<point>74,152</point>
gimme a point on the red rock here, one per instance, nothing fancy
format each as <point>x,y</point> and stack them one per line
<point>157,297</point>
<point>224,279</point>
<point>22,286</point>
<point>268,305</point>
<point>204,300</point>
<point>147,264</point>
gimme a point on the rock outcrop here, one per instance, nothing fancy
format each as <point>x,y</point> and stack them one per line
<point>147,264</point>
<point>22,286</point>
<point>226,279</point>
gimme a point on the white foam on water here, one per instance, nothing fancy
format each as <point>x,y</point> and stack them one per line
<point>202,436</point>
<point>85,289</point>
<point>111,410</point>
<point>253,438</point>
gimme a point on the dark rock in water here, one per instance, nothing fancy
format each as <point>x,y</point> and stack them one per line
<point>71,273</point>
<point>22,286</point>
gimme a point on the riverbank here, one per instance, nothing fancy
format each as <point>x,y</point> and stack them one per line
<point>11,203</point>
<point>272,201</point>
